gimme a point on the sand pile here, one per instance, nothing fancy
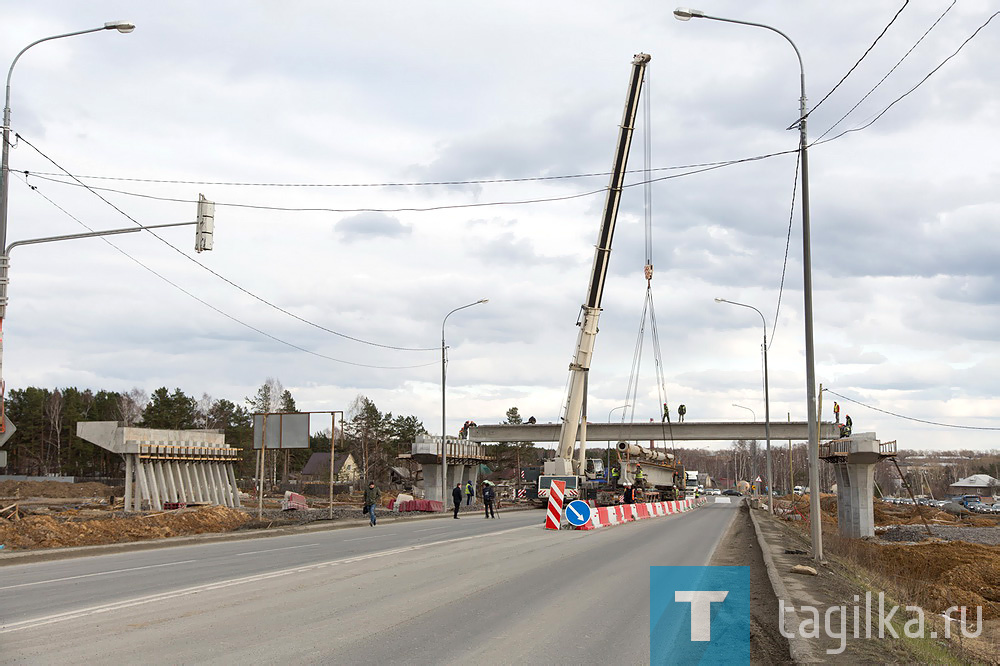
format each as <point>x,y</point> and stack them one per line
<point>56,532</point>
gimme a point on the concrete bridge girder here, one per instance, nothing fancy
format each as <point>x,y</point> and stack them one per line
<point>686,431</point>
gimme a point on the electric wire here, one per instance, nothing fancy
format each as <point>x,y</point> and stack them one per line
<point>909,418</point>
<point>219,310</point>
<point>224,278</point>
<point>855,65</point>
<point>889,73</point>
<point>788,242</point>
<point>908,92</point>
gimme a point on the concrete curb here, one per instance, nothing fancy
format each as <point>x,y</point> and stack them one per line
<point>52,554</point>
<point>798,647</point>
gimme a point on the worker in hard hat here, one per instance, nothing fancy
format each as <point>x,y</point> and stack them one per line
<point>615,476</point>
<point>640,477</point>
<point>681,411</point>
<point>629,494</point>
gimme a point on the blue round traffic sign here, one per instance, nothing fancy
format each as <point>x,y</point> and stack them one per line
<point>578,513</point>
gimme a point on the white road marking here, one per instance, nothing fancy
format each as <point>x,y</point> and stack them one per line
<point>90,575</point>
<point>432,529</point>
<point>183,592</point>
<point>374,536</point>
<point>272,550</point>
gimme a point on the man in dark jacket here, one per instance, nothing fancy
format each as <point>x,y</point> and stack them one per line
<point>372,495</point>
<point>456,497</point>
<point>629,494</point>
<point>489,494</point>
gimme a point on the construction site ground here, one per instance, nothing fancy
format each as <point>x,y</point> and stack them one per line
<point>36,516</point>
<point>959,565</point>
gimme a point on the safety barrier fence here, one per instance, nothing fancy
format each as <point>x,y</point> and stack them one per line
<point>620,514</point>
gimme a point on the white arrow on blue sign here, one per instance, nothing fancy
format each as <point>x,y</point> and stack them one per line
<point>578,513</point>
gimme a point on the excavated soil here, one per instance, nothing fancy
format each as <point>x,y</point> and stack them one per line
<point>44,531</point>
<point>53,489</point>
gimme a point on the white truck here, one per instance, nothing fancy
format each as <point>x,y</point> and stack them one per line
<point>691,483</point>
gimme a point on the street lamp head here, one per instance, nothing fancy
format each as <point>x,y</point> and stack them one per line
<point>720,300</point>
<point>120,26</point>
<point>685,14</point>
<point>483,300</point>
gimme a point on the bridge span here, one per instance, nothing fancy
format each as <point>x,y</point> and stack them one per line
<point>687,431</point>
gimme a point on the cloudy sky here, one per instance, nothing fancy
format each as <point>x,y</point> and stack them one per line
<point>339,141</point>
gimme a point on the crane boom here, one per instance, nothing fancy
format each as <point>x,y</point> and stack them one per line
<point>574,422</point>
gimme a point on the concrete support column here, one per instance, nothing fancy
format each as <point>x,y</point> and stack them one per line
<point>432,481</point>
<point>855,499</point>
<point>233,488</point>
<point>129,478</point>
<point>455,474</point>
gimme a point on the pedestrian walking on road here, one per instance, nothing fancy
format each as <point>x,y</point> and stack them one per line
<point>470,492</point>
<point>489,494</point>
<point>372,495</point>
<point>456,497</point>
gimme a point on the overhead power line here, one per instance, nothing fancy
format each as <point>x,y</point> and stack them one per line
<point>220,311</point>
<point>863,56</point>
<point>918,84</point>
<point>889,73</point>
<point>909,418</point>
<point>222,277</point>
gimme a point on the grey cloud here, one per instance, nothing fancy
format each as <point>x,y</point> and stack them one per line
<point>364,226</point>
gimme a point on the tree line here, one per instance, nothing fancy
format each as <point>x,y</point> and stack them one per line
<point>45,442</point>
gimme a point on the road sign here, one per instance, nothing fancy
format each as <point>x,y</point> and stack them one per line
<point>7,431</point>
<point>578,513</point>
<point>758,480</point>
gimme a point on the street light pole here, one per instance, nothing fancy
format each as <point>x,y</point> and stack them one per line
<point>749,410</point>
<point>444,430</point>
<point>683,14</point>
<point>767,403</point>
<point>120,26</point>
<point>608,452</point>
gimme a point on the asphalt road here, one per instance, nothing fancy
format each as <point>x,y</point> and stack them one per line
<point>417,592</point>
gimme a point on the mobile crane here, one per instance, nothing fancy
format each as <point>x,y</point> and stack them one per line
<point>584,477</point>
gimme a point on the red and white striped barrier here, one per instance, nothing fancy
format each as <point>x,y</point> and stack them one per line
<point>605,516</point>
<point>553,517</point>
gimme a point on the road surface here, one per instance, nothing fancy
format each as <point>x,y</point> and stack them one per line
<point>416,592</point>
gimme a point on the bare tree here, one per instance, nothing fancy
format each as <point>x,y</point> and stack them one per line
<point>131,405</point>
<point>54,418</point>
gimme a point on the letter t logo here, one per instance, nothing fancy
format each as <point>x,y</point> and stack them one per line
<point>701,610</point>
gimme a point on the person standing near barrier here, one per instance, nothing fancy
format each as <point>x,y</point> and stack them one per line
<point>629,494</point>
<point>456,497</point>
<point>470,492</point>
<point>615,475</point>
<point>488,496</point>
<point>372,495</point>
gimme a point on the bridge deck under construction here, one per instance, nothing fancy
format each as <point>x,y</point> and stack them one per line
<point>687,431</point>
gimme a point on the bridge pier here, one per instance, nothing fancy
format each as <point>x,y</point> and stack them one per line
<point>854,461</point>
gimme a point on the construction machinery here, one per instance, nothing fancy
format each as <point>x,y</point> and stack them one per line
<point>582,476</point>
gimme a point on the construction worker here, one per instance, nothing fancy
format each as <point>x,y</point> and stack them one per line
<point>489,494</point>
<point>836,411</point>
<point>629,494</point>
<point>615,475</point>
<point>531,420</point>
<point>470,492</point>
<point>640,477</point>
<point>681,411</point>
<point>845,430</point>
<point>666,413</point>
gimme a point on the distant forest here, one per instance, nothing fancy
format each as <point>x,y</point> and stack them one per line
<point>45,442</point>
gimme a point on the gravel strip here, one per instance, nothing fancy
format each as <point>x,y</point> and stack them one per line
<point>988,536</point>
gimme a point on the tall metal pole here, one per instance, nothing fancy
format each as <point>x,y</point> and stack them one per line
<point>684,14</point>
<point>767,404</point>
<point>120,26</point>
<point>444,427</point>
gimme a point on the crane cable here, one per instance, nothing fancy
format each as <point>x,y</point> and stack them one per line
<point>648,307</point>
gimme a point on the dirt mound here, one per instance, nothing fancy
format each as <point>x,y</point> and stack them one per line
<point>25,489</point>
<point>51,532</point>
<point>940,575</point>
